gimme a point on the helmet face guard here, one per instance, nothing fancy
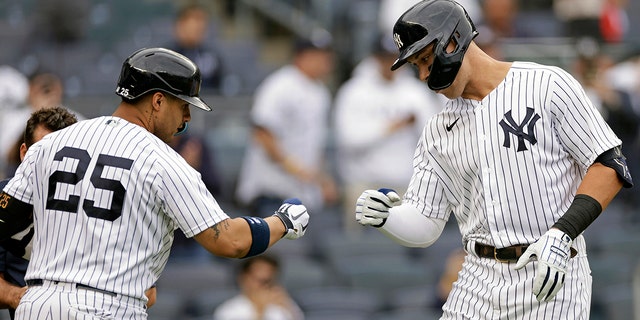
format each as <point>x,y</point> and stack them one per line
<point>439,22</point>
<point>161,69</point>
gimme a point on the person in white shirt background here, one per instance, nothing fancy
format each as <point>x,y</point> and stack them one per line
<point>45,89</point>
<point>261,296</point>
<point>379,115</point>
<point>290,116</point>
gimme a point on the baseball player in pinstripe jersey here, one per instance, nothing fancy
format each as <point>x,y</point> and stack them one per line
<point>519,156</point>
<point>108,193</point>
<point>16,252</point>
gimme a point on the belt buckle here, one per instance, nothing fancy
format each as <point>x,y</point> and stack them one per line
<point>495,256</point>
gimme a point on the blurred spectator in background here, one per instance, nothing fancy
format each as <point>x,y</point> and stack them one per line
<point>45,90</point>
<point>614,21</point>
<point>286,156</point>
<point>194,149</point>
<point>500,16</point>
<point>488,42</point>
<point>14,89</point>
<point>60,21</point>
<point>191,38</point>
<point>625,75</point>
<point>615,105</point>
<point>55,31</point>
<point>261,296</point>
<point>379,115</point>
<point>390,10</point>
<point>581,18</point>
<point>191,31</point>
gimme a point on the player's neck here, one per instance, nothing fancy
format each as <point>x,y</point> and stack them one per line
<point>132,114</point>
<point>482,83</point>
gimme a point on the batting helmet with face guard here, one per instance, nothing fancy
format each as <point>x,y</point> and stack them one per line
<point>439,22</point>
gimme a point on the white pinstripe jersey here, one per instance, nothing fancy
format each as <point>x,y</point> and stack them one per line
<point>510,164</point>
<point>107,197</point>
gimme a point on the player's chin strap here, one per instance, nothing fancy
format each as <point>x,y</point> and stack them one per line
<point>182,129</point>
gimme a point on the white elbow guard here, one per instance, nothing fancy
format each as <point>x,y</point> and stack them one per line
<point>408,227</point>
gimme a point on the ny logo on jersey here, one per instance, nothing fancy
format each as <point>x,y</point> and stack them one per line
<point>510,126</point>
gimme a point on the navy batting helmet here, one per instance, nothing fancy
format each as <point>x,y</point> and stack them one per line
<point>439,22</point>
<point>161,69</point>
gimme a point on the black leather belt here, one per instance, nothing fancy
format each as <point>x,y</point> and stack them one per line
<point>39,282</point>
<point>508,254</point>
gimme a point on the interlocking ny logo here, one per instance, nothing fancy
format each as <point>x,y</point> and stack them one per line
<point>510,126</point>
<point>397,40</point>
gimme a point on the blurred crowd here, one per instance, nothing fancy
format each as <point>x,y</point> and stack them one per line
<point>326,118</point>
<point>66,49</point>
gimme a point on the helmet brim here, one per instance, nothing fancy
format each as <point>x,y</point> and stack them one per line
<point>195,101</point>
<point>398,63</point>
<point>411,50</point>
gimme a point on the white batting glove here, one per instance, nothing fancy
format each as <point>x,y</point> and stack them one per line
<point>552,251</point>
<point>372,208</point>
<point>295,217</point>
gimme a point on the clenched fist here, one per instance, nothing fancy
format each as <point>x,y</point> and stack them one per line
<point>295,217</point>
<point>372,208</point>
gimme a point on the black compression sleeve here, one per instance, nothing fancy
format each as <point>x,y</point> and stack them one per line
<point>15,216</point>
<point>582,212</point>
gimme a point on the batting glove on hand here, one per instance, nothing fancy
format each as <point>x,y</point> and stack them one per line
<point>295,218</point>
<point>372,208</point>
<point>553,251</point>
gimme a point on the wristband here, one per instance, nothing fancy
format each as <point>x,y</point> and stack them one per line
<point>260,234</point>
<point>582,212</point>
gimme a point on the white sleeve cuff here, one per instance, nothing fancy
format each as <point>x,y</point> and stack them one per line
<point>408,227</point>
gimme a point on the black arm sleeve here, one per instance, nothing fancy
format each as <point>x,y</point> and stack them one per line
<point>15,216</point>
<point>581,213</point>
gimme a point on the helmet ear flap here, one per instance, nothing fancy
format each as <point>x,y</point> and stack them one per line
<point>447,62</point>
<point>445,65</point>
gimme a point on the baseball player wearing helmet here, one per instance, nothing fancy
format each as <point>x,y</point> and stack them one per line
<point>521,158</point>
<point>108,193</point>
